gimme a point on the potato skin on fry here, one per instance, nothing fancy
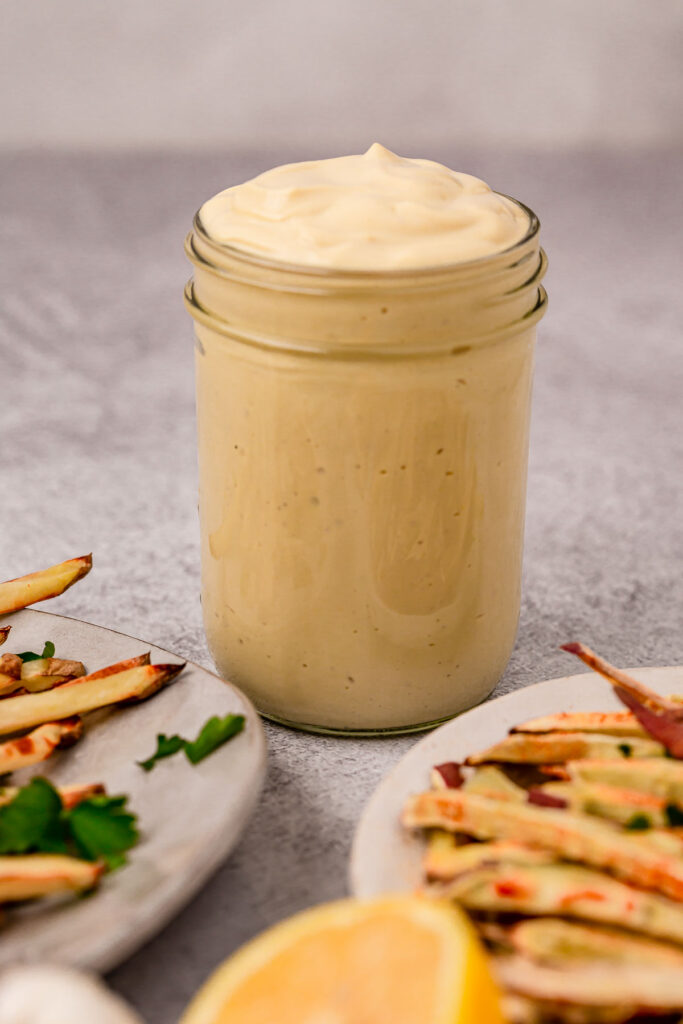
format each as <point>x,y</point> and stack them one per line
<point>613,723</point>
<point>85,694</point>
<point>558,747</point>
<point>28,876</point>
<point>574,837</point>
<point>39,586</point>
<point>40,744</point>
<point>4,633</point>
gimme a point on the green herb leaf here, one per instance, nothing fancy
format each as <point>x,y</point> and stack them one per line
<point>626,749</point>
<point>213,735</point>
<point>96,829</point>
<point>48,652</point>
<point>103,829</point>
<point>33,820</point>
<point>166,746</point>
<point>638,823</point>
<point>674,815</point>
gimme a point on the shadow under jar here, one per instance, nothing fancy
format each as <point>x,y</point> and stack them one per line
<point>363,441</point>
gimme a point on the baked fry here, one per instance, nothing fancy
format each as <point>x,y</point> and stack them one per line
<point>492,782</point>
<point>445,860</point>
<point>558,747</point>
<point>27,876</point>
<point>613,723</point>
<point>4,633</point>
<point>658,989</point>
<point>85,694</point>
<point>51,667</point>
<point>39,586</point>
<point>70,796</point>
<point>625,806</point>
<point>40,744</point>
<point>663,778</point>
<point>574,837</point>
<point>552,940</point>
<point>565,890</point>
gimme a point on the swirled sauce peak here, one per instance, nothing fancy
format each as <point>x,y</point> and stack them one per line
<point>375,211</point>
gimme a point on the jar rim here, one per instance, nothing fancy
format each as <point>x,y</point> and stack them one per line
<point>349,275</point>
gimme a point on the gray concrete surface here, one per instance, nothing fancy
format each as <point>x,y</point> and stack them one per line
<point>97,452</point>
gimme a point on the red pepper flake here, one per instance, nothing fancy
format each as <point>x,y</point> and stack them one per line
<point>582,894</point>
<point>511,890</point>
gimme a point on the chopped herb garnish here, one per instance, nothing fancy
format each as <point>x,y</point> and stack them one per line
<point>166,747</point>
<point>103,829</point>
<point>638,823</point>
<point>626,749</point>
<point>35,821</point>
<point>48,652</point>
<point>213,734</point>
<point>674,815</point>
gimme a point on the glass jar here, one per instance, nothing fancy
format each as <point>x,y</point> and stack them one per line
<point>363,442</point>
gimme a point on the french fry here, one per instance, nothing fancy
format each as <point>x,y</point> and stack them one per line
<point>492,782</point>
<point>71,796</point>
<point>613,723</point>
<point>51,667</point>
<point>549,939</point>
<point>558,747</point>
<point>120,666</point>
<point>624,806</point>
<point>574,837</point>
<point>40,874</point>
<point>40,744</point>
<point>565,890</point>
<point>11,665</point>
<point>663,778</point>
<point>85,694</point>
<point>39,586</point>
<point>657,989</point>
<point>4,633</point>
<point>445,860</point>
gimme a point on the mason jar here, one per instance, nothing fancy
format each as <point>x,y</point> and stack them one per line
<point>363,440</point>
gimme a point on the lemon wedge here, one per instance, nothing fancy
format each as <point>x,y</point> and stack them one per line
<point>396,960</point>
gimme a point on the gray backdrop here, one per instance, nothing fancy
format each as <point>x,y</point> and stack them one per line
<point>321,75</point>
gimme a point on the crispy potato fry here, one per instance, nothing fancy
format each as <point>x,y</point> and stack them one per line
<point>4,633</point>
<point>51,667</point>
<point>10,665</point>
<point>492,782</point>
<point>40,744</point>
<point>552,940</point>
<point>612,723</point>
<point>85,694</point>
<point>624,806</point>
<point>39,874</point>
<point>71,796</point>
<point>39,586</point>
<point>662,778</point>
<point>120,666</point>
<point>641,988</point>
<point>445,860</point>
<point>565,890</point>
<point>558,747</point>
<point>574,837</point>
<point>622,680</point>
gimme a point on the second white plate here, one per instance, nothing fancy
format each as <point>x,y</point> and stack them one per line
<point>386,857</point>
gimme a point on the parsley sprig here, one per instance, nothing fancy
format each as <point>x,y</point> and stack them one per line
<point>213,734</point>
<point>48,652</point>
<point>35,821</point>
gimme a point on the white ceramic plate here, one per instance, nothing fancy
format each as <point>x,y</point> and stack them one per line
<point>385,857</point>
<point>190,816</point>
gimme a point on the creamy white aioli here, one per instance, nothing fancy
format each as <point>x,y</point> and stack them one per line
<point>376,211</point>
